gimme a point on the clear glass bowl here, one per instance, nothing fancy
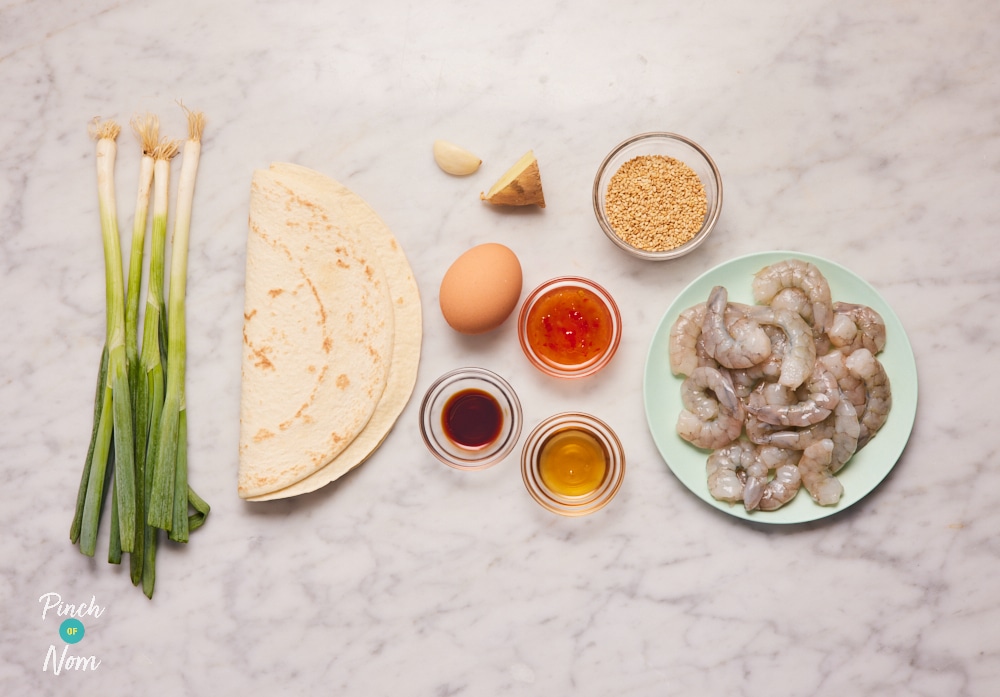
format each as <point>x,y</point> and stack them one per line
<point>670,145</point>
<point>569,370</point>
<point>455,454</point>
<point>565,504</point>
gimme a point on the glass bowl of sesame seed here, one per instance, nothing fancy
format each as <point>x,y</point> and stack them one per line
<point>657,195</point>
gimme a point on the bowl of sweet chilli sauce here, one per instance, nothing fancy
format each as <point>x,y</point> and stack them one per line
<point>569,327</point>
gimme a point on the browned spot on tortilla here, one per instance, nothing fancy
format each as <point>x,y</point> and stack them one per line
<point>275,292</point>
<point>249,317</point>
<point>327,344</point>
<point>343,264</point>
<point>262,434</point>
<point>261,360</point>
<point>343,381</point>
<point>319,302</point>
<point>369,271</point>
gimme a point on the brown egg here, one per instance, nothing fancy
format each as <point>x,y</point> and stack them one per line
<point>481,288</point>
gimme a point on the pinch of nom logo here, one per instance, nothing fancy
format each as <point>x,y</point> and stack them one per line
<point>71,632</point>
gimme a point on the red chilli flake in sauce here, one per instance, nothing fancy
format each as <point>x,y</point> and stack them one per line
<point>569,326</point>
<point>472,418</point>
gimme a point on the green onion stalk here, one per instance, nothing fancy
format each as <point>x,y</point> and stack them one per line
<point>146,130</point>
<point>154,346</point>
<point>170,495</point>
<point>114,415</point>
<point>100,444</point>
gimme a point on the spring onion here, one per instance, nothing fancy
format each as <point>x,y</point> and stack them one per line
<point>115,419</point>
<point>138,443</point>
<point>146,130</point>
<point>154,346</point>
<point>96,436</point>
<point>169,489</point>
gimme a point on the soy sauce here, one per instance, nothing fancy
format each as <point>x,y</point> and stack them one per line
<point>472,418</point>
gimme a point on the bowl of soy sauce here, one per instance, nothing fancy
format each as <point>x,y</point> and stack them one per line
<point>470,418</point>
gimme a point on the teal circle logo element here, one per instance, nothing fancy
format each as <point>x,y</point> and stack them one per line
<point>71,630</point>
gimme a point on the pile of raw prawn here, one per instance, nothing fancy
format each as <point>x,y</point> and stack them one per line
<point>783,392</point>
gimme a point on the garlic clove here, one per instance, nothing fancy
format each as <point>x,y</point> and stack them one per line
<point>455,160</point>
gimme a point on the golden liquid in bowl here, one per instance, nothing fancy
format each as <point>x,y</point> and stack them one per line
<point>572,463</point>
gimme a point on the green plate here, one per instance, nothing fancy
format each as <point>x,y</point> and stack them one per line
<point>864,471</point>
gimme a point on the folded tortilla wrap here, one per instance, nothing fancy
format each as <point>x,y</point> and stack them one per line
<point>355,221</point>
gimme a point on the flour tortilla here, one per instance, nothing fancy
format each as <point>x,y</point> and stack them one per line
<point>317,336</point>
<point>353,212</point>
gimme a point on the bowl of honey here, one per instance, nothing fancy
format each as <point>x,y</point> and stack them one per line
<point>470,418</point>
<point>569,327</point>
<point>572,464</point>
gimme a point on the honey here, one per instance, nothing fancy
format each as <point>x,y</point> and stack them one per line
<point>572,463</point>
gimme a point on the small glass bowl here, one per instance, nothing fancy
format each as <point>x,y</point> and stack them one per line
<point>572,370</point>
<point>670,145</point>
<point>432,426</point>
<point>582,504</point>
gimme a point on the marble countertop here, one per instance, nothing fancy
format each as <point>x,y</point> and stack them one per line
<point>864,133</point>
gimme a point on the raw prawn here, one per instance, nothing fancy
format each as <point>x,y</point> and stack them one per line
<point>796,300</point>
<point>726,468</point>
<point>741,344</point>
<point>785,484</point>
<point>878,396</point>
<point>851,386</point>
<point>846,430</point>
<point>756,484</point>
<point>823,396</point>
<point>841,428</point>
<point>856,326</point>
<point>814,466</point>
<point>739,472</point>
<point>765,394</point>
<point>683,342</point>
<point>782,488</point>
<point>800,354</point>
<point>796,273</point>
<point>769,369</point>
<point>801,438</point>
<point>721,429</point>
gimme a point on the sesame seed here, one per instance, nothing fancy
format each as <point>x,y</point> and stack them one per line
<point>655,203</point>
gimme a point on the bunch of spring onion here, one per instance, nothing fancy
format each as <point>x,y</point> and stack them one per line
<point>139,436</point>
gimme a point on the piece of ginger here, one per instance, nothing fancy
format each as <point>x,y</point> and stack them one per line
<point>521,185</point>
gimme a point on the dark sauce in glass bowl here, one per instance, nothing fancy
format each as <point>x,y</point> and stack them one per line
<point>472,418</point>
